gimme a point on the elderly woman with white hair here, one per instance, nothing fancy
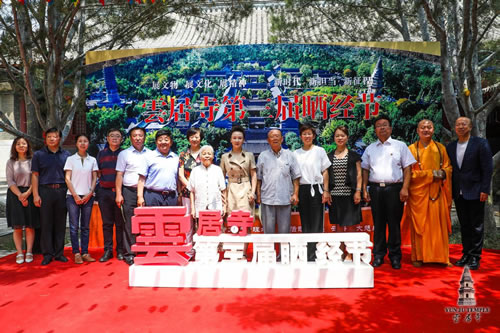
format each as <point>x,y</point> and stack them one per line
<point>206,184</point>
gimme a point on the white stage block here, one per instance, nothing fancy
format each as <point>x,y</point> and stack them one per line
<point>246,275</point>
<point>265,271</point>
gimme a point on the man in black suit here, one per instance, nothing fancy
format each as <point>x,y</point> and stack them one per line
<point>472,163</point>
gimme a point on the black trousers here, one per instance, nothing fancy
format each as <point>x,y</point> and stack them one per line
<point>52,220</point>
<point>387,210</point>
<point>471,217</point>
<point>153,198</point>
<point>311,212</point>
<point>111,217</point>
<point>129,204</point>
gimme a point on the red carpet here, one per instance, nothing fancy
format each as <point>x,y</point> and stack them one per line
<point>95,297</point>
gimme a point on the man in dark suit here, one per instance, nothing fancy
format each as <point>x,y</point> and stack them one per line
<point>472,163</point>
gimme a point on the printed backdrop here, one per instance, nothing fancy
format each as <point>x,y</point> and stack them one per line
<point>263,86</point>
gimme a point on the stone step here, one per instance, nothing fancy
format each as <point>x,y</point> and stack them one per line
<point>3,186</point>
<point>4,229</point>
<point>6,241</point>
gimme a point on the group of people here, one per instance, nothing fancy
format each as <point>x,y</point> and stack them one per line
<point>427,176</point>
<point>45,185</point>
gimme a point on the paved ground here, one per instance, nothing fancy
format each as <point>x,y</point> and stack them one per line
<point>7,243</point>
<point>5,235</point>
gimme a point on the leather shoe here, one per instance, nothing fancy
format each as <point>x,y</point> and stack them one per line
<point>396,264</point>
<point>474,263</point>
<point>106,256</point>
<point>61,259</point>
<point>377,262</point>
<point>463,261</point>
<point>87,257</point>
<point>46,260</point>
<point>129,260</point>
<point>120,256</point>
<point>78,259</point>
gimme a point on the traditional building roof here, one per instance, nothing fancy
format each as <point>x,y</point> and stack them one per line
<point>214,28</point>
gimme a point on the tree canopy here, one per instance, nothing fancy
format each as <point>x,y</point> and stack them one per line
<point>43,47</point>
<point>466,30</point>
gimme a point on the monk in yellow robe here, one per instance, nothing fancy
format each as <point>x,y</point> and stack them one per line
<point>429,202</point>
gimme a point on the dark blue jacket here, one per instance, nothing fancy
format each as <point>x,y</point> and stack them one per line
<point>474,176</point>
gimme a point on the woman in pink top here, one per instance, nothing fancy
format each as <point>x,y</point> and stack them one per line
<point>21,212</point>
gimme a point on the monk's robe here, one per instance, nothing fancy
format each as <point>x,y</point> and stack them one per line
<point>429,204</point>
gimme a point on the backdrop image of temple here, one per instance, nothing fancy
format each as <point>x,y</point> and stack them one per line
<point>263,86</point>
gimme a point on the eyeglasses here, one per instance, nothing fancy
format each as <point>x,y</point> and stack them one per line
<point>115,136</point>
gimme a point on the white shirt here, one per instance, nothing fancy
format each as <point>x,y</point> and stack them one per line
<point>312,163</point>
<point>276,172</point>
<point>207,184</point>
<point>461,147</point>
<point>131,161</point>
<point>386,161</point>
<point>81,173</point>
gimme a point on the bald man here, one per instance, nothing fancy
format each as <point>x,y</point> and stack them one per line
<point>472,164</point>
<point>429,200</point>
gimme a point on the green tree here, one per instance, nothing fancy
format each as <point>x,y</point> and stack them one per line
<point>269,114</point>
<point>150,141</point>
<point>293,141</point>
<point>249,94</point>
<point>364,69</point>
<point>264,94</point>
<point>461,27</point>
<point>218,138</point>
<point>306,71</point>
<point>181,143</point>
<point>100,120</point>
<point>43,47</point>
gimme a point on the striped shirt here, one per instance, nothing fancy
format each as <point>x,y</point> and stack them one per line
<point>106,160</point>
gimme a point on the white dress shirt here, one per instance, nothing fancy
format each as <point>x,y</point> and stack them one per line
<point>461,147</point>
<point>131,162</point>
<point>386,161</point>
